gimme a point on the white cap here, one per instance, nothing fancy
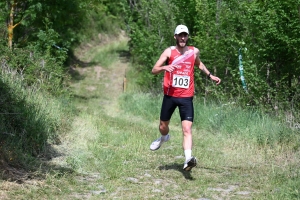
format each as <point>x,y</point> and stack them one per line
<point>180,29</point>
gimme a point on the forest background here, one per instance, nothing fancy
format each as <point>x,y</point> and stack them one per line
<point>252,45</point>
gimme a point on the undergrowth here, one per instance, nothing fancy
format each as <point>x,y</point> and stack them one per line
<point>30,119</point>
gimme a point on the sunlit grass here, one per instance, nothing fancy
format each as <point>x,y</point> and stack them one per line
<point>106,55</point>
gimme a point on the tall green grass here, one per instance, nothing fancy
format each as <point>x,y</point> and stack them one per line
<point>29,119</point>
<point>227,119</point>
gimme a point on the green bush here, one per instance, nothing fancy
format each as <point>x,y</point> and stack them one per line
<point>37,68</point>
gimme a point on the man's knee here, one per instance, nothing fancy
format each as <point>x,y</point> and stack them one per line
<point>187,127</point>
<point>187,131</point>
<point>163,125</point>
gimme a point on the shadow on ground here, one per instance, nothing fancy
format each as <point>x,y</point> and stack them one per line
<point>124,55</point>
<point>178,167</point>
<point>14,172</point>
<point>75,62</point>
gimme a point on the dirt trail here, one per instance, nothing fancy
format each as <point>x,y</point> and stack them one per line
<point>113,87</point>
<point>112,78</point>
<point>97,80</point>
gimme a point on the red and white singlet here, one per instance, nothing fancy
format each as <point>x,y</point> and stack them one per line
<point>180,83</point>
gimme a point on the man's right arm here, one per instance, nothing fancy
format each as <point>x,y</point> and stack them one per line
<point>159,65</point>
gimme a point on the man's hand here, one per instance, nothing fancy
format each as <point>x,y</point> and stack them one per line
<point>216,79</point>
<point>170,68</point>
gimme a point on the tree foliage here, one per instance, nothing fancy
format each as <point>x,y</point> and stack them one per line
<point>266,32</point>
<point>37,37</point>
<point>40,34</point>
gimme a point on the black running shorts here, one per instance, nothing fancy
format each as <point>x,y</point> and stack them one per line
<point>185,105</point>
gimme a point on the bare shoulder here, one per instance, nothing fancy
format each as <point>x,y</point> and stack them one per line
<point>167,52</point>
<point>196,50</point>
<point>197,56</point>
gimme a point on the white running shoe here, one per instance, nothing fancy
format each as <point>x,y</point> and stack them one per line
<point>189,164</point>
<point>157,143</point>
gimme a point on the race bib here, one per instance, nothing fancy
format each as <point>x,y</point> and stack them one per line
<point>180,81</point>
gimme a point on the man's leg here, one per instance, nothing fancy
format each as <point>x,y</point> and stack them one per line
<point>186,110</point>
<point>164,130</point>
<point>187,134</point>
<point>164,127</point>
<point>167,109</point>
<point>187,144</point>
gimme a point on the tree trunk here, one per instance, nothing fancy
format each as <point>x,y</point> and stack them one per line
<point>269,84</point>
<point>10,24</point>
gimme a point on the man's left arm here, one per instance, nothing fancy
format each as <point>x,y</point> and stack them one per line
<point>203,68</point>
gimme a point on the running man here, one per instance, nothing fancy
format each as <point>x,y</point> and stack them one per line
<point>179,90</point>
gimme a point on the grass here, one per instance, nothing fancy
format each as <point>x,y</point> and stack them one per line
<point>107,54</point>
<point>29,120</point>
<point>242,154</point>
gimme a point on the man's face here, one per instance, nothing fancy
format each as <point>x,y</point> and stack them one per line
<point>181,39</point>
